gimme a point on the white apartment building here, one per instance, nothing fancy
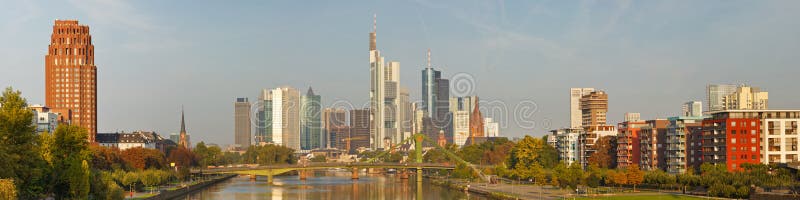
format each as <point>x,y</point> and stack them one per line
<point>575,114</point>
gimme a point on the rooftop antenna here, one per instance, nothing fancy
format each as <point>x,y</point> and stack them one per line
<point>375,22</point>
<point>429,58</point>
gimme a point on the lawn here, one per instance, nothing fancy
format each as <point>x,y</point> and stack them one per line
<point>648,197</point>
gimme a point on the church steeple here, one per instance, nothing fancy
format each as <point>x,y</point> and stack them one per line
<point>183,142</point>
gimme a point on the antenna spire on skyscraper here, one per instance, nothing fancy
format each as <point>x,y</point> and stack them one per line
<point>429,58</point>
<point>375,23</point>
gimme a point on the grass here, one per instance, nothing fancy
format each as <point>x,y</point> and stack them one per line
<point>647,197</point>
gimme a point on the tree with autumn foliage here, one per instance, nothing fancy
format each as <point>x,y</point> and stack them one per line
<point>634,175</point>
<point>143,158</point>
<point>605,153</point>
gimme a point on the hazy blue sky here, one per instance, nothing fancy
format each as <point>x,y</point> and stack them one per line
<point>650,56</point>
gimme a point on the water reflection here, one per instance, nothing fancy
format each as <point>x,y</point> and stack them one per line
<point>328,186</point>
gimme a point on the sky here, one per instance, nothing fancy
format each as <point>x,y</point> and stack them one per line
<point>520,57</point>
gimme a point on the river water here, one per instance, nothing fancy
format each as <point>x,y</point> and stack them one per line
<point>329,185</point>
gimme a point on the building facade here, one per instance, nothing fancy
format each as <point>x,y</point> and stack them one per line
<point>359,130</point>
<point>310,121</point>
<point>71,75</point>
<point>652,139</point>
<point>461,109</point>
<point>241,118</point>
<point>491,128</point>
<point>384,86</point>
<point>747,98</point>
<point>732,139</point>
<point>715,96</point>
<point>681,149</point>
<point>282,117</point>
<point>628,142</point>
<point>575,112</point>
<point>594,107</point>
<point>568,144</point>
<point>334,126</point>
<point>692,109</point>
<point>44,119</point>
<point>589,137</point>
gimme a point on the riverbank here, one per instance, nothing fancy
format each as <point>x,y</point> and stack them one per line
<point>180,191</point>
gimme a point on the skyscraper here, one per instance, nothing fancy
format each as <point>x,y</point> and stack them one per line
<point>405,114</point>
<point>461,108</point>
<point>746,98</point>
<point>436,99</point>
<point>71,75</point>
<point>692,109</point>
<point>241,118</point>
<point>575,115</point>
<point>491,128</point>
<point>263,130</point>
<point>594,107</point>
<point>310,135</point>
<point>335,128</point>
<point>715,95</point>
<point>384,83</point>
<point>359,130</point>
<point>282,117</point>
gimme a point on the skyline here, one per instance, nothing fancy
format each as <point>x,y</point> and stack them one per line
<point>495,63</point>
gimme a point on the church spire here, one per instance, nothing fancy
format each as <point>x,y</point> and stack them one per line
<point>183,122</point>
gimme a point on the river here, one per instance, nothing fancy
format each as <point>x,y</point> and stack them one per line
<point>328,185</point>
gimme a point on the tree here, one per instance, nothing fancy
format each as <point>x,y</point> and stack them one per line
<point>150,178</point>
<point>619,178</point>
<point>19,154</point>
<point>71,171</point>
<point>106,158</point>
<point>130,179</point>
<point>182,157</point>
<point>605,153</point>
<point>7,189</point>
<point>143,158</point>
<point>635,176</point>
<point>320,158</point>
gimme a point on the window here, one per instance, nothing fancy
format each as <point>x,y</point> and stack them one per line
<point>753,124</point>
<point>733,124</point>
<point>752,140</point>
<point>733,157</point>
<point>733,132</point>
<point>733,140</point>
<point>753,132</point>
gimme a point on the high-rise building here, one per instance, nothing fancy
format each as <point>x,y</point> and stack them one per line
<point>419,116</point>
<point>747,98</point>
<point>628,140</point>
<point>575,113</point>
<point>715,95</point>
<point>681,151</point>
<point>594,107</point>
<point>359,130</point>
<point>282,117</point>
<point>652,145</point>
<point>567,144</point>
<point>632,117</point>
<point>436,99</point>
<point>71,75</point>
<point>406,114</point>
<point>241,118</point>
<point>692,109</point>
<point>310,125</point>
<point>384,84</point>
<point>735,137</point>
<point>461,108</point>
<point>491,128</point>
<point>335,128</point>
<point>263,114</point>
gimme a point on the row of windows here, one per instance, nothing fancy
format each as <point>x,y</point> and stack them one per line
<point>74,30</point>
<point>67,61</point>
<point>71,51</point>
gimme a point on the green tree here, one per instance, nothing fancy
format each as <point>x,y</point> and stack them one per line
<point>71,172</point>
<point>20,158</point>
<point>130,179</point>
